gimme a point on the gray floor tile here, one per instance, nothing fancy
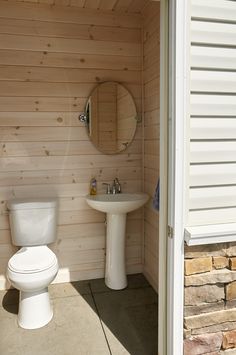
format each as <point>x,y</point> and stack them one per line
<point>98,285</point>
<point>137,281</point>
<point>130,320</point>
<point>82,287</point>
<point>69,289</point>
<point>75,329</point>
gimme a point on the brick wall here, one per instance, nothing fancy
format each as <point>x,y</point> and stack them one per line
<point>210,299</point>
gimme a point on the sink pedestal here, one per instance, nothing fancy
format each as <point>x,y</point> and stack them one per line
<point>116,207</point>
<point>115,274</point>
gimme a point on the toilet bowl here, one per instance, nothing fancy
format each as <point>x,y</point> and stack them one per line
<point>30,271</point>
<point>34,266</point>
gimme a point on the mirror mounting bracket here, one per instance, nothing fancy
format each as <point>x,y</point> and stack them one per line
<point>83,117</point>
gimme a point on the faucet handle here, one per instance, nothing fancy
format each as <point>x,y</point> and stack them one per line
<point>108,190</point>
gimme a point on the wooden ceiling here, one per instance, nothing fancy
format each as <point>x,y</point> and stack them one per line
<point>122,6</point>
<point>125,6</point>
<point>128,6</point>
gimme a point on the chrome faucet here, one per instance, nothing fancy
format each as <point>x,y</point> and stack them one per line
<point>114,189</point>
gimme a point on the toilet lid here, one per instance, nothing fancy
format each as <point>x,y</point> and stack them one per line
<point>32,259</point>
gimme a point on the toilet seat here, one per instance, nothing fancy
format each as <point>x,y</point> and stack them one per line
<point>29,260</point>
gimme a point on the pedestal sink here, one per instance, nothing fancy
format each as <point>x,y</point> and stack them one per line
<point>116,207</point>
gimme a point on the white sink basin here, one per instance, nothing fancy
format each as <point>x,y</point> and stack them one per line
<point>117,203</point>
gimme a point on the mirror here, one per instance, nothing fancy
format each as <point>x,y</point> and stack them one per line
<point>111,117</point>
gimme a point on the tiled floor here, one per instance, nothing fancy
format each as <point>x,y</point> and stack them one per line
<point>89,319</point>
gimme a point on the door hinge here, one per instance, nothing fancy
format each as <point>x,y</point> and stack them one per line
<point>170,232</point>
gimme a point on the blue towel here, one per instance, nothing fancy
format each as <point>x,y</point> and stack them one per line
<point>156,199</point>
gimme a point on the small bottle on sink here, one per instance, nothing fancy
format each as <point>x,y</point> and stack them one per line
<point>93,186</point>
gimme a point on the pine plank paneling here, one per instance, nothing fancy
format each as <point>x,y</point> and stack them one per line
<point>136,6</point>
<point>42,103</point>
<point>38,119</point>
<point>69,60</point>
<point>128,6</point>
<point>92,4</point>
<point>20,149</point>
<point>31,134</point>
<point>121,5</point>
<point>68,30</point>
<point>151,36</point>
<point>64,14</point>
<point>67,45</point>
<point>107,4</point>
<point>65,75</point>
<point>43,177</point>
<point>70,162</point>
<point>51,58</point>
<point>41,89</point>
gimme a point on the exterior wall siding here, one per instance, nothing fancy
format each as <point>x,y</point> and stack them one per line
<point>212,196</point>
<point>210,297</point>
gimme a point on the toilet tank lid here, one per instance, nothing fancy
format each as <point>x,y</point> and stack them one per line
<point>31,203</point>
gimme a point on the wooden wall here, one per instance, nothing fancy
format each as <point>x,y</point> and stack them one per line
<point>51,57</point>
<point>151,40</point>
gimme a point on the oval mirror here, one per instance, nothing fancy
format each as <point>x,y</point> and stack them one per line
<point>111,117</point>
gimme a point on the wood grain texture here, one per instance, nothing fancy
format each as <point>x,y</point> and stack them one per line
<point>81,46</point>
<point>51,58</point>
<point>69,60</point>
<point>125,6</point>
<point>66,14</point>
<point>68,30</point>
<point>151,35</point>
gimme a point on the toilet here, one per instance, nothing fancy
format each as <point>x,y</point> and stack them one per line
<point>34,266</point>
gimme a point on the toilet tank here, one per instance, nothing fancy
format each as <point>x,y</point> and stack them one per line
<point>33,221</point>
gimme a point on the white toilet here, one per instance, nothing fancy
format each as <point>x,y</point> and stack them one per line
<point>32,268</point>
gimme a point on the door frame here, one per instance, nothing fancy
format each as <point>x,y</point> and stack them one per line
<point>174,114</point>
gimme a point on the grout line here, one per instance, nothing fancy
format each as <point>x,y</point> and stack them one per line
<point>108,345</point>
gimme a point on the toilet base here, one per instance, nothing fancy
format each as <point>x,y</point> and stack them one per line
<point>35,309</point>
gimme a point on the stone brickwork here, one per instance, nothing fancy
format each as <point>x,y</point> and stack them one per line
<point>210,299</point>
